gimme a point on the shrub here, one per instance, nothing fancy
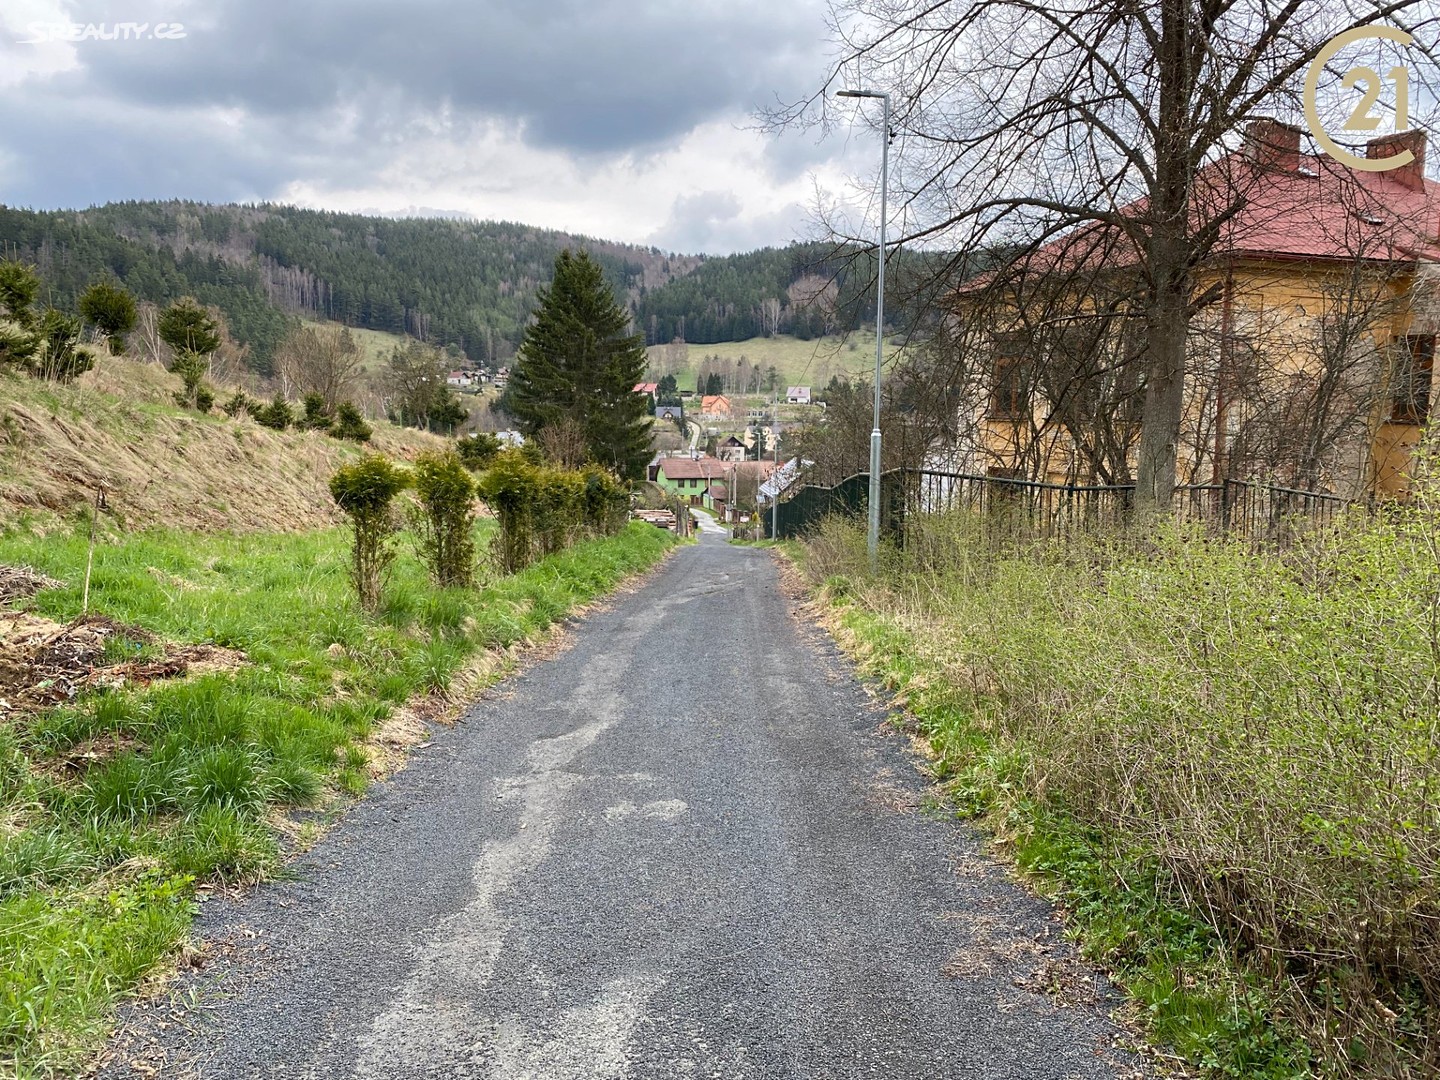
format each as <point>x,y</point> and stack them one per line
<point>605,501</point>
<point>478,449</point>
<point>365,491</point>
<point>542,510</point>
<point>349,424</point>
<point>188,328</point>
<point>445,519</point>
<point>240,402</point>
<point>192,367</point>
<point>317,414</point>
<point>112,309</point>
<point>276,415</point>
<point>1255,727</point>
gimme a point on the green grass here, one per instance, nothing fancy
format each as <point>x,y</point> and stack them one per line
<point>377,345</point>
<point>797,363</point>
<point>97,868</point>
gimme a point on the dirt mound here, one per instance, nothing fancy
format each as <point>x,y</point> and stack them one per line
<point>45,663</point>
<point>21,583</point>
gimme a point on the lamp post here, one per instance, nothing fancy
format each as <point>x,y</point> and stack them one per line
<point>872,537</point>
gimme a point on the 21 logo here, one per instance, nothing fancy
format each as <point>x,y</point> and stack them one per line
<point>1361,118</point>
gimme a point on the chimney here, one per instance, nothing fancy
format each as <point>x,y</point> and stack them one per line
<point>1412,175</point>
<point>1273,145</point>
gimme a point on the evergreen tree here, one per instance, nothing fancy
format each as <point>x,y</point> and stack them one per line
<point>187,327</point>
<point>19,285</point>
<point>579,365</point>
<point>112,309</point>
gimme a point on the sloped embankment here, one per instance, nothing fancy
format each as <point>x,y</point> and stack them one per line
<point>162,465</point>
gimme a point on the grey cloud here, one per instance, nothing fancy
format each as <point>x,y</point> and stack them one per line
<point>586,76</point>
<point>331,94</point>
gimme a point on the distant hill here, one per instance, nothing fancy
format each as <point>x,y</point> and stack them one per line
<point>471,284</point>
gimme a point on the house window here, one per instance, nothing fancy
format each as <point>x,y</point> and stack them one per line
<point>1414,368</point>
<point>1009,391</point>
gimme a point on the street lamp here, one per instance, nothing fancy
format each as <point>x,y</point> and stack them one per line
<point>872,537</point>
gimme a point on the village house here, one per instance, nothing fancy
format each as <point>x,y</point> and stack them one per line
<point>691,477</point>
<point>732,449</point>
<point>715,407</point>
<point>1310,354</point>
<point>797,395</point>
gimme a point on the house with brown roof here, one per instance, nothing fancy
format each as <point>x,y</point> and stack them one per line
<point>716,407</point>
<point>691,478</point>
<point>1311,348</point>
<point>731,449</point>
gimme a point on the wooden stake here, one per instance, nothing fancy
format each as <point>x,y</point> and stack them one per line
<point>90,555</point>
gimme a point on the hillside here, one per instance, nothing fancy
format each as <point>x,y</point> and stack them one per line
<point>162,465</point>
<point>471,284</point>
<point>463,282</point>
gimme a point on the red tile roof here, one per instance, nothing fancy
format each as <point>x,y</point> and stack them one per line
<point>1295,206</point>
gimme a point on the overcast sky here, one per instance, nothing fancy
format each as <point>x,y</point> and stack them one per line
<point>625,119</point>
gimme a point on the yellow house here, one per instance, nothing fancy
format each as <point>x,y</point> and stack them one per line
<point>1310,353</point>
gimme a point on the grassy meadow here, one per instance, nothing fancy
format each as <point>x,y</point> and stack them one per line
<point>1223,762</point>
<point>798,363</point>
<point>115,808</point>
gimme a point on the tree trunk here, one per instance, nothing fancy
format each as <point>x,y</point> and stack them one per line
<point>1168,312</point>
<point>1167,324</point>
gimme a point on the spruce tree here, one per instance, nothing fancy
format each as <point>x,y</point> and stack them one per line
<point>579,363</point>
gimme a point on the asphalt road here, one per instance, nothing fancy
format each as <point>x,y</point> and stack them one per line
<point>686,846</point>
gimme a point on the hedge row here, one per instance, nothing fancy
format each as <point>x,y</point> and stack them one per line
<point>542,509</point>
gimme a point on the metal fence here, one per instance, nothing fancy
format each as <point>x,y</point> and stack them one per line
<point>1263,512</point>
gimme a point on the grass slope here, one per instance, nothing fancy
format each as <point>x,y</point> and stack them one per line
<point>377,345</point>
<point>163,465</point>
<point>115,808</point>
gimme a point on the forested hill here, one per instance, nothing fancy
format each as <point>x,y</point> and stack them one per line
<point>448,281</point>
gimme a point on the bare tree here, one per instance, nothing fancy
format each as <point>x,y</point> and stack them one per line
<point>146,339</point>
<point>319,360</point>
<point>1019,123</point>
<point>563,443</point>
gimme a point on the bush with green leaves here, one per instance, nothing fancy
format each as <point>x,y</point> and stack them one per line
<point>478,449</point>
<point>276,415</point>
<point>542,509</point>
<point>1248,736</point>
<point>59,355</point>
<point>192,367</point>
<point>240,402</point>
<point>365,491</point>
<point>111,308</point>
<point>193,334</point>
<point>317,416</point>
<point>187,327</point>
<point>444,519</point>
<point>46,344</point>
<point>19,286</point>
<point>349,424</point>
